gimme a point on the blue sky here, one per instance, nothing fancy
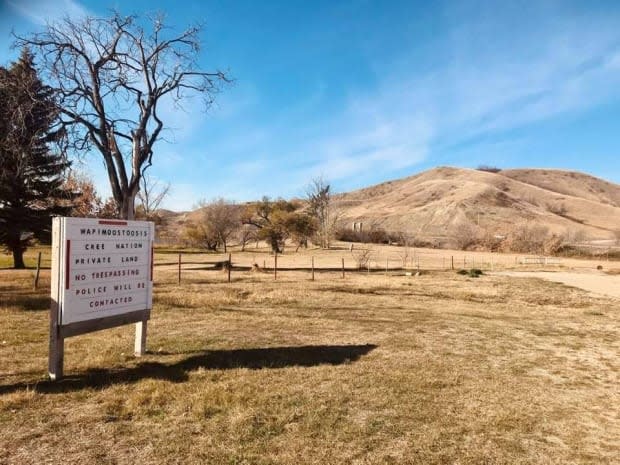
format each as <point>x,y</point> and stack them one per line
<point>361,92</point>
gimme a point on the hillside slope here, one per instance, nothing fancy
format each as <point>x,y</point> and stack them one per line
<point>436,203</point>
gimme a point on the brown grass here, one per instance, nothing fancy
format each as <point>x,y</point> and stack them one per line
<point>435,369</point>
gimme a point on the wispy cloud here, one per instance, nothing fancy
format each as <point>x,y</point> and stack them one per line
<point>491,71</point>
<point>44,11</point>
<point>565,67</point>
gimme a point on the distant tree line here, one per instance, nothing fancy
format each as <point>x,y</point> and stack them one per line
<point>274,221</point>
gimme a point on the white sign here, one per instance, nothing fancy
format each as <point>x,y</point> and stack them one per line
<point>101,267</point>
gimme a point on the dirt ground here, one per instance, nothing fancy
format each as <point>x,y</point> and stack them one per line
<point>594,282</point>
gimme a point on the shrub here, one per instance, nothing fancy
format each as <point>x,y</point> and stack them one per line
<point>528,238</point>
<point>362,257</point>
<point>378,236</point>
<point>557,209</point>
<point>375,235</point>
<point>467,235</point>
<point>554,244</point>
<point>489,169</point>
<point>348,235</point>
<point>472,273</point>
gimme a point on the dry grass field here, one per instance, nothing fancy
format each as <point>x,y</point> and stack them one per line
<point>374,368</point>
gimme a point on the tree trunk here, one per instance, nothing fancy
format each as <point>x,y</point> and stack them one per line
<point>18,258</point>
<point>128,209</point>
<point>275,246</point>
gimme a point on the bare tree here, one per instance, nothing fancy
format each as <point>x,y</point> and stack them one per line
<point>151,194</point>
<point>322,210</point>
<point>246,233</point>
<point>467,235</point>
<point>528,238</point>
<point>220,219</point>
<point>576,236</point>
<point>362,257</point>
<point>111,77</point>
<point>405,241</point>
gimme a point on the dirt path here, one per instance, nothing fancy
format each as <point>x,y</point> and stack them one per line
<point>596,283</point>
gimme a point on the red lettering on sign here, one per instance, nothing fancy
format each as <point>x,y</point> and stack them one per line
<point>67,264</point>
<point>115,223</point>
<point>151,261</point>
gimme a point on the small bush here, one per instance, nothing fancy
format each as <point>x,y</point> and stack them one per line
<point>528,238</point>
<point>362,257</point>
<point>375,235</point>
<point>467,236</point>
<point>557,209</point>
<point>489,169</point>
<point>378,236</point>
<point>473,273</point>
<point>348,235</point>
<point>554,244</point>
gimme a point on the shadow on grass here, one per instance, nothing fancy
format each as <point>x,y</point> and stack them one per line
<point>27,302</point>
<point>255,359</point>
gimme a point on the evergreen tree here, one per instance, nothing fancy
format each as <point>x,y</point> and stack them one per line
<point>31,180</point>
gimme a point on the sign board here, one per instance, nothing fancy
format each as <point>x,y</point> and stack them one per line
<point>104,267</point>
<point>102,276</point>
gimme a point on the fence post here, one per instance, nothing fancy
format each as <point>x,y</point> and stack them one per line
<point>275,266</point>
<point>179,268</point>
<point>386,265</point>
<point>229,265</point>
<point>36,276</point>
<point>452,257</point>
<point>343,268</point>
<point>140,338</point>
<point>56,344</point>
<point>313,268</point>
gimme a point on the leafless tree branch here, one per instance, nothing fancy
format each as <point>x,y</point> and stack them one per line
<point>111,77</point>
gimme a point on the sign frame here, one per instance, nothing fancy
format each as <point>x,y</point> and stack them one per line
<point>60,283</point>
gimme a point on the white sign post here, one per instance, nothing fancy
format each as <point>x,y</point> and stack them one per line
<point>102,277</point>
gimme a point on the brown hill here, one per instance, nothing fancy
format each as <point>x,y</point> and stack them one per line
<point>438,202</point>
